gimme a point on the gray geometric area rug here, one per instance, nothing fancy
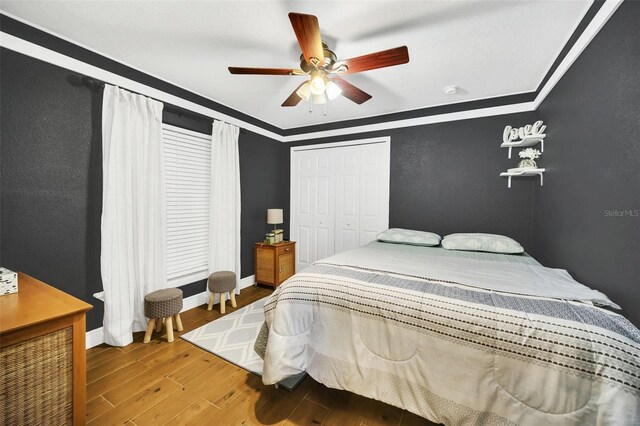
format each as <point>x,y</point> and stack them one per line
<point>232,337</point>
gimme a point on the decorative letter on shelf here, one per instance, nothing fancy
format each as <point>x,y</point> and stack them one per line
<point>525,136</point>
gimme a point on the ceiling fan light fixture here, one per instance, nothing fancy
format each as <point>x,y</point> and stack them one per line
<point>319,99</point>
<point>332,90</point>
<point>304,91</point>
<point>317,84</point>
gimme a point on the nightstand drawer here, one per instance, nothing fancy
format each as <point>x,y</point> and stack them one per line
<point>288,248</point>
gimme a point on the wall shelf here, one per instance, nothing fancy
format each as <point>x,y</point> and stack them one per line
<point>523,173</point>
<point>526,142</point>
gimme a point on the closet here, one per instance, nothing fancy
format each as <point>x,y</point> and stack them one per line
<point>339,197</point>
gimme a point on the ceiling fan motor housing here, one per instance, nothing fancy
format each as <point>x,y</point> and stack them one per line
<point>330,58</point>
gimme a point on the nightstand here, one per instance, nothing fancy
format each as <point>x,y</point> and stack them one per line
<point>274,263</point>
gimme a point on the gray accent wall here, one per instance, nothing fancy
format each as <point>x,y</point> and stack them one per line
<point>51,179</point>
<point>587,215</point>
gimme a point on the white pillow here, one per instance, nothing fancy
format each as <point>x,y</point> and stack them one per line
<point>482,242</point>
<point>410,237</point>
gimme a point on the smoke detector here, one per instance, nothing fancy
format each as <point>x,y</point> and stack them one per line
<point>451,90</point>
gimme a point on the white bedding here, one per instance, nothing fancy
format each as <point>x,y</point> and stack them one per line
<point>457,340</point>
<point>509,277</point>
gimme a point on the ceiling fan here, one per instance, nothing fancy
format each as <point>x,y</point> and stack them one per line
<point>321,65</point>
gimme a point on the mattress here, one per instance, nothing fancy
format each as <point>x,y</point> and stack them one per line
<point>457,337</point>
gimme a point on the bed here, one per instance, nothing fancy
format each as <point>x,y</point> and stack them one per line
<point>460,338</point>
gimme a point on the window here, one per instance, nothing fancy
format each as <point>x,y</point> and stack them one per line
<point>188,166</point>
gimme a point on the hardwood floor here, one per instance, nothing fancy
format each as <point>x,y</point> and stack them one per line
<point>180,384</point>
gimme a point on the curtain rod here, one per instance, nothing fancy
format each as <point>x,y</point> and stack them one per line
<point>96,84</point>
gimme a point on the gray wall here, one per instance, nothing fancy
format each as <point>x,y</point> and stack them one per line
<point>51,176</point>
<point>593,162</point>
<point>445,178</point>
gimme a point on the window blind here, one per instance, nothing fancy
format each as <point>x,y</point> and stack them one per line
<point>188,166</point>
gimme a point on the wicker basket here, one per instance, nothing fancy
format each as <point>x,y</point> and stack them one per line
<point>26,398</point>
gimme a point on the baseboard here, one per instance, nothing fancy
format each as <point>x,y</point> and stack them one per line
<point>96,337</point>
<point>247,282</point>
<point>194,301</point>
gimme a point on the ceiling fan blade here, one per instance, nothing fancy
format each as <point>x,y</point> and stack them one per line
<point>263,71</point>
<point>293,98</point>
<point>307,31</point>
<point>382,59</point>
<point>351,92</point>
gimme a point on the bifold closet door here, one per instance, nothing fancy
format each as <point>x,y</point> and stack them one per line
<point>339,199</point>
<point>312,216</point>
<point>373,192</point>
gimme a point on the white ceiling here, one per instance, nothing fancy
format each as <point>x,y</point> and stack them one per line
<point>488,48</point>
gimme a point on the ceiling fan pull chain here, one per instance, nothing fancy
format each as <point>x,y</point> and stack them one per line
<point>310,105</point>
<point>325,110</point>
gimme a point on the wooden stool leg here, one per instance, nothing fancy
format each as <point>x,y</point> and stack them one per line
<point>222,302</point>
<point>178,322</point>
<point>233,299</point>
<point>159,325</point>
<point>210,306</point>
<point>150,325</point>
<point>168,324</point>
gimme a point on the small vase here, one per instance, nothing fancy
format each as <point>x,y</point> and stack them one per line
<point>528,163</point>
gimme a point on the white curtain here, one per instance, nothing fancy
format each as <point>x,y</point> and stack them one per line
<point>133,256</point>
<point>224,228</point>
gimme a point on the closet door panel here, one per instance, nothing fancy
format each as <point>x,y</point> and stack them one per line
<point>303,253</point>
<point>374,191</point>
<point>302,215</point>
<point>323,206</point>
<point>347,203</point>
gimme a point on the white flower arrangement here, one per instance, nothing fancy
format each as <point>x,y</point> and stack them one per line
<point>530,153</point>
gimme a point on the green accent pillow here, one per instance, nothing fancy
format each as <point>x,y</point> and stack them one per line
<point>410,237</point>
<point>482,242</point>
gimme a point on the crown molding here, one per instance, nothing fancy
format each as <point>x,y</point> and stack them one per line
<point>604,12</point>
<point>33,50</point>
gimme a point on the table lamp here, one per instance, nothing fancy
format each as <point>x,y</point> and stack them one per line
<point>274,217</point>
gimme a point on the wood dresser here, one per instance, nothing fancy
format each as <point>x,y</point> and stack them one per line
<point>274,263</point>
<point>42,355</point>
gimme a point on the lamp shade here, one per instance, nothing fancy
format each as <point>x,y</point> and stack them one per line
<point>274,216</point>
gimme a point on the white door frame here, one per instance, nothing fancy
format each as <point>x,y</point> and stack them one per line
<point>386,140</point>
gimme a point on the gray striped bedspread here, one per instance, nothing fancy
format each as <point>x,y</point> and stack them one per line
<point>455,353</point>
